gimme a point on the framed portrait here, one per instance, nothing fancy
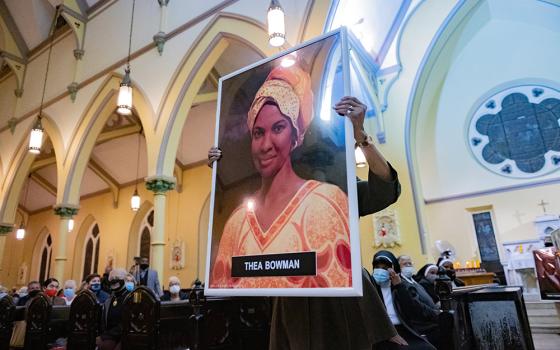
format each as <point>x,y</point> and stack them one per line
<point>283,209</point>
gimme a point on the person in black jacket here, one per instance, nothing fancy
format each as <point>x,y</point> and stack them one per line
<point>426,277</point>
<point>399,299</point>
<point>111,333</point>
<point>424,322</point>
<point>447,264</point>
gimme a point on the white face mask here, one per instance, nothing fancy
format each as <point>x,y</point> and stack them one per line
<point>408,271</point>
<point>175,289</point>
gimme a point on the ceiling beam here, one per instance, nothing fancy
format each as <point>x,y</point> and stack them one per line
<point>205,97</point>
<point>46,185</point>
<point>13,31</point>
<point>114,134</point>
<point>42,163</point>
<point>107,178</point>
<point>214,77</point>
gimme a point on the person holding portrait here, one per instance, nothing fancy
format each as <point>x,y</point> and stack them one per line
<point>288,213</point>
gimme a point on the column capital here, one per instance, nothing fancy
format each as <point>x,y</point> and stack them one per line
<point>66,211</point>
<point>163,2</point>
<point>6,228</point>
<point>78,54</point>
<point>160,184</point>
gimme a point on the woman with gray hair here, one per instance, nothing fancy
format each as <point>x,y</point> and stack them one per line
<point>110,336</point>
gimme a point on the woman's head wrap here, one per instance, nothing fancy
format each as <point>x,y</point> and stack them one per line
<point>290,89</point>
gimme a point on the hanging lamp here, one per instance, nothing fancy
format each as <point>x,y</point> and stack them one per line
<point>276,25</point>
<point>36,137</point>
<point>20,233</point>
<point>124,100</point>
<point>135,199</point>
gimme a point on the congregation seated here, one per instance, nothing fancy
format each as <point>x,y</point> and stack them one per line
<point>398,300</point>
<point>93,283</point>
<point>50,288</point>
<point>174,293</point>
<point>447,264</point>
<point>69,292</point>
<point>424,322</point>
<point>111,330</point>
<point>33,287</point>
<point>426,277</point>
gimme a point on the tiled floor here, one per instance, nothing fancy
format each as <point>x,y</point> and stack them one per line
<point>546,341</point>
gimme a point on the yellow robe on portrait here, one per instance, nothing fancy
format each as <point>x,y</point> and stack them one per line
<point>315,219</point>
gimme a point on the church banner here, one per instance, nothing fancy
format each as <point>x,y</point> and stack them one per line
<point>283,209</point>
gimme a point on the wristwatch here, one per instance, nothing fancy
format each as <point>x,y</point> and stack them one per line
<point>365,142</point>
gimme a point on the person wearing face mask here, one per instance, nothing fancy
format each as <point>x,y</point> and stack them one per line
<point>33,288</point>
<point>426,277</point>
<point>129,282</point>
<point>148,277</point>
<point>424,322</point>
<point>398,300</point>
<point>69,291</point>
<point>93,283</point>
<point>111,332</point>
<point>175,293</point>
<point>50,288</point>
<point>447,264</point>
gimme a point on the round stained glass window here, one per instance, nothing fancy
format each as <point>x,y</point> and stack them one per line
<point>516,132</point>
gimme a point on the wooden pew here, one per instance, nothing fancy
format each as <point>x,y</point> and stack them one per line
<point>140,320</point>
<point>37,320</point>
<point>84,321</point>
<point>7,316</point>
<point>219,323</point>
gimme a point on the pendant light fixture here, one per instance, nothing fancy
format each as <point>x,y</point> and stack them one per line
<point>360,158</point>
<point>20,233</point>
<point>276,25</point>
<point>135,199</point>
<point>36,137</point>
<point>124,100</point>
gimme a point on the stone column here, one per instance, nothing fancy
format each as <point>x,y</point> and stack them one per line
<point>5,229</point>
<point>65,212</point>
<point>159,185</point>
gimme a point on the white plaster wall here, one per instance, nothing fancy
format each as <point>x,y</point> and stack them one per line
<point>502,51</point>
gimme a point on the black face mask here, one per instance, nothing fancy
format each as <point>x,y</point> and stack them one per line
<point>144,266</point>
<point>450,274</point>
<point>117,285</point>
<point>33,293</point>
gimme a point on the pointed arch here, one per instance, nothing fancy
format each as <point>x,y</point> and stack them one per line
<point>78,247</point>
<point>194,68</point>
<point>19,169</point>
<point>98,111</point>
<point>42,258</point>
<point>134,235</point>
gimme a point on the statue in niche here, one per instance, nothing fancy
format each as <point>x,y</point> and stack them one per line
<point>178,255</point>
<point>386,229</point>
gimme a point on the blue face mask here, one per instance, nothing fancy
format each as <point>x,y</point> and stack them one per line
<point>381,276</point>
<point>96,287</point>
<point>69,293</point>
<point>129,286</point>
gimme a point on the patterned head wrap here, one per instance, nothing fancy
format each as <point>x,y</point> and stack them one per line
<point>290,89</point>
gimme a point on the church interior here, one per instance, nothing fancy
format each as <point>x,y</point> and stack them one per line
<point>108,110</point>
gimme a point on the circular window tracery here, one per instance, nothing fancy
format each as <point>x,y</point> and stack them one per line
<point>516,132</point>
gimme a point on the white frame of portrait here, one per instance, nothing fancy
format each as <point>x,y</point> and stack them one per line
<point>353,216</point>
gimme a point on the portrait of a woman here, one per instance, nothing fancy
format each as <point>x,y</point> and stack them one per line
<point>287,213</point>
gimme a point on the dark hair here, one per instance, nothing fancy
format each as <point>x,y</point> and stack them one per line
<point>91,276</point>
<point>49,280</point>
<point>33,282</point>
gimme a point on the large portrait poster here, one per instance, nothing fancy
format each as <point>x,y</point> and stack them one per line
<point>283,214</point>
